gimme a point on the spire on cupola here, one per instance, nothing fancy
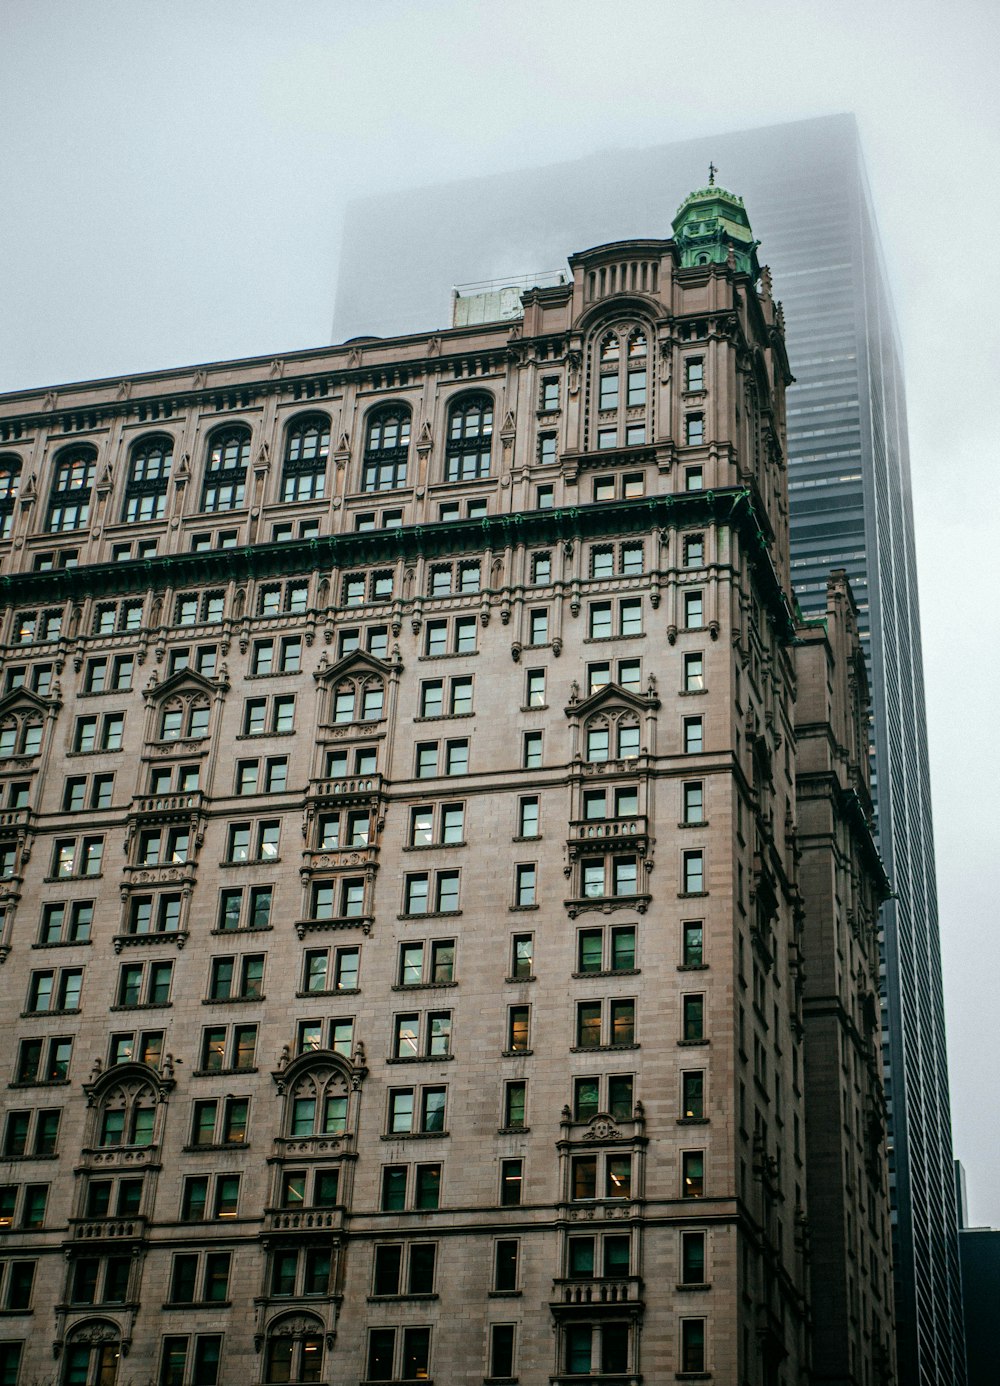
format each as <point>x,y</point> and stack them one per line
<point>710,222</point>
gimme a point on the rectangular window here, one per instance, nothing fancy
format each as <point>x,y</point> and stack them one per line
<point>692,1345</point>
<point>694,673</point>
<point>693,873</point>
<point>600,621</point>
<point>694,550</point>
<point>693,1095</point>
<point>694,426</point>
<point>527,816</point>
<point>505,1258</point>
<point>501,1362</point>
<point>531,755</point>
<point>518,1029</point>
<point>511,1182</point>
<point>522,956</point>
<point>514,1104</point>
<point>524,885</point>
<point>693,743</point>
<point>693,1017</point>
<point>538,632</point>
<point>693,943</point>
<point>694,610</point>
<point>693,1174</point>
<point>694,373</point>
<point>535,688</point>
<point>694,802</point>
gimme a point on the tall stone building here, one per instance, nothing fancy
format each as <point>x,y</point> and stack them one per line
<point>850,491</point>
<point>402,938</point>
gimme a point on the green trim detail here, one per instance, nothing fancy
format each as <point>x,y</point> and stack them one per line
<point>733,506</point>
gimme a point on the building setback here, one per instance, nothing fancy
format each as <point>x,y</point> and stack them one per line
<point>403,944</point>
<point>849,482</point>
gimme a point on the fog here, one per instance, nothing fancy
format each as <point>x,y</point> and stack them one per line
<point>176,177</point>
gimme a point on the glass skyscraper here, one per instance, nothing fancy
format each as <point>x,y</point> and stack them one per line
<point>805,189</point>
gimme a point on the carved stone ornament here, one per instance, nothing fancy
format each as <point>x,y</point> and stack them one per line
<point>602,1129</point>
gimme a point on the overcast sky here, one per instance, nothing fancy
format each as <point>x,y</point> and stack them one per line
<point>175,175</point>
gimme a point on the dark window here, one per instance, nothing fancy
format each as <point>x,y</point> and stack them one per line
<point>386,450</point>
<point>226,470</point>
<point>148,477</point>
<point>470,431</point>
<point>69,502</point>
<point>306,451</point>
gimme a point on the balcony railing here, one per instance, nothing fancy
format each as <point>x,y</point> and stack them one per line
<point>107,1229</point>
<point>597,1293</point>
<point>346,787</point>
<point>599,830</point>
<point>169,804</point>
<point>303,1219</point>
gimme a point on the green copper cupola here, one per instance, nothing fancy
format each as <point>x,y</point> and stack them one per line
<point>709,222</point>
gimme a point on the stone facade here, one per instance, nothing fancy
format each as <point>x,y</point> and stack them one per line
<point>403,949</point>
<point>842,884</point>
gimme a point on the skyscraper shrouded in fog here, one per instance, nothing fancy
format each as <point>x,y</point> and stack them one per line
<point>805,188</point>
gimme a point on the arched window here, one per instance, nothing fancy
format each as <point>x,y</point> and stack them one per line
<point>470,433</point>
<point>126,1115</point>
<point>226,469</point>
<point>387,448</point>
<point>294,1349</point>
<point>359,700</point>
<point>317,1103</point>
<point>148,475</point>
<point>20,734</point>
<point>610,351</point>
<point>69,502</point>
<point>10,481</point>
<point>620,415</point>
<point>183,717</point>
<point>93,1350</point>
<point>306,450</point>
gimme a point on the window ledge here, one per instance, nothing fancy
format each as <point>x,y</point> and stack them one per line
<point>537,837</point>
<point>69,1010</point>
<point>516,1053</point>
<point>201,1304</point>
<point>513,1130</point>
<point>403,1298</point>
<point>521,909</point>
<point>59,880</point>
<point>341,991</point>
<point>530,978</point>
<point>419,1058</point>
<point>611,972</point>
<point>691,1043</point>
<point>610,639</point>
<point>504,1294</point>
<point>692,894</point>
<point>406,986</point>
<point>274,674</point>
<point>691,692</point>
<point>39,1083</point>
<point>217,1145</point>
<point>251,861</point>
<point>695,823</point>
<point>177,936</point>
<point>145,1006</point>
<point>534,707</point>
<point>444,716</point>
<point>694,967</point>
<point>261,736</point>
<point>692,1121</point>
<point>696,1285</point>
<point>220,1072</point>
<point>432,914</point>
<point>337,921</point>
<point>15,1313</point>
<point>448,654</point>
<point>231,1000</point>
<point>415,1136</point>
<point>246,929</point>
<point>431,846</point>
<point>601,1048</point>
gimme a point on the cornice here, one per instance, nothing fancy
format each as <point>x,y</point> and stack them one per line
<point>737,507</point>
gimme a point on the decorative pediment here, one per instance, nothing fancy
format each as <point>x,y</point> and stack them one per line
<point>184,681</point>
<point>321,1063</point>
<point>357,663</point>
<point>611,696</point>
<point>134,1079</point>
<point>22,700</point>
